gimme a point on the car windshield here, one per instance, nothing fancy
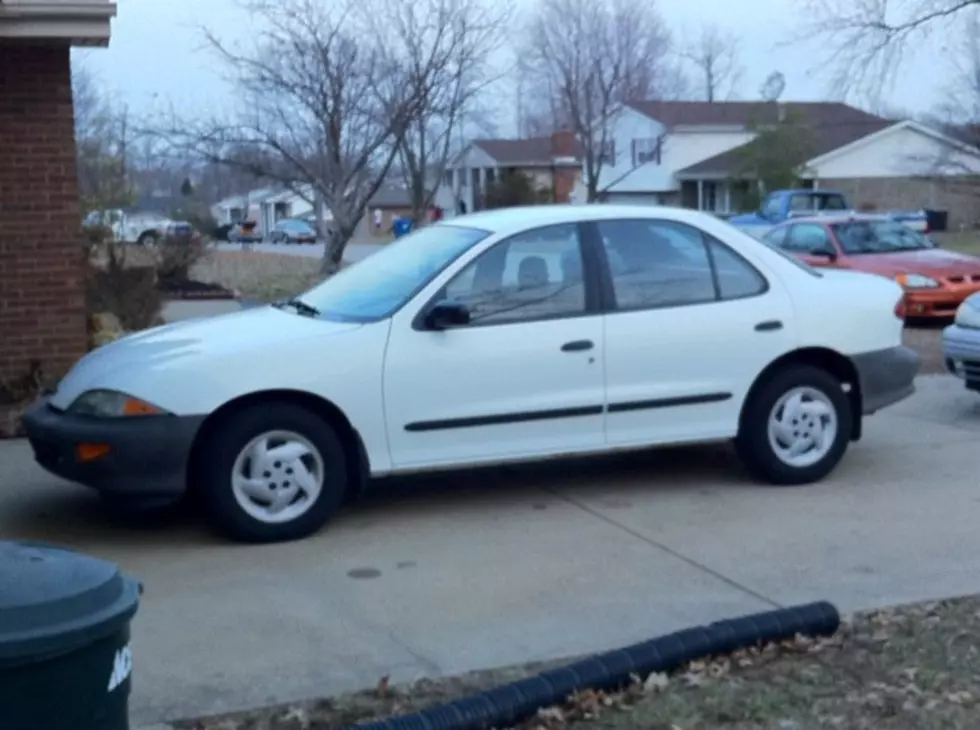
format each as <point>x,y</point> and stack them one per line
<point>380,284</point>
<point>863,237</point>
<point>295,225</point>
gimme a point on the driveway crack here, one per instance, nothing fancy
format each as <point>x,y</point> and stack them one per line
<point>666,549</point>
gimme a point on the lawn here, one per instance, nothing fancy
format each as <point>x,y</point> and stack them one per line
<point>261,277</point>
<point>914,666</point>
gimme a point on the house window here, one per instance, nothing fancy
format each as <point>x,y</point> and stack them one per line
<point>709,199</point>
<point>491,175</point>
<point>646,150</point>
<point>607,153</point>
<point>447,178</point>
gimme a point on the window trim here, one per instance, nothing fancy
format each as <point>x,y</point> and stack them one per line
<point>594,302</point>
<point>608,291</point>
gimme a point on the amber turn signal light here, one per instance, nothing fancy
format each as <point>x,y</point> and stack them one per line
<point>91,452</point>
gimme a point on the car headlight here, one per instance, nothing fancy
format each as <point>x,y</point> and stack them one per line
<point>916,281</point>
<point>968,314</point>
<point>112,404</point>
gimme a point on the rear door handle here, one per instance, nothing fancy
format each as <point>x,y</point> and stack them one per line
<point>577,346</point>
<point>769,326</point>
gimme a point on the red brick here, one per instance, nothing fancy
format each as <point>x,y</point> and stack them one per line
<point>42,314</point>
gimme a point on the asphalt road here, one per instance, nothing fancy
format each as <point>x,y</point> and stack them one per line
<point>455,572</point>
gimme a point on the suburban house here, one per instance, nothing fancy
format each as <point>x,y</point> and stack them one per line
<point>693,154</point>
<point>268,205</point>
<point>42,290</point>
<point>554,163</point>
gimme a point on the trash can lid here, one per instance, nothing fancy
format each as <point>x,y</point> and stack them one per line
<point>54,600</point>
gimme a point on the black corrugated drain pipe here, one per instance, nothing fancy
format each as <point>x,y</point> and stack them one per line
<point>510,704</point>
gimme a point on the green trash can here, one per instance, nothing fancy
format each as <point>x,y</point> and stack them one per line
<point>65,656</point>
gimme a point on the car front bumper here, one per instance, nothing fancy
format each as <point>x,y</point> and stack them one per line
<point>145,456</point>
<point>961,354</point>
<point>937,303</point>
<point>886,376</point>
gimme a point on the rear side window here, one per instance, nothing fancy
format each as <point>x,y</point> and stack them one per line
<point>666,264</point>
<point>737,278</point>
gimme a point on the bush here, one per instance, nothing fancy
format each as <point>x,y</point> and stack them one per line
<point>176,255</point>
<point>513,187</point>
<point>129,292</point>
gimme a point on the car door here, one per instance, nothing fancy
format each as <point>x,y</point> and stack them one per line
<point>692,325</point>
<point>524,378</point>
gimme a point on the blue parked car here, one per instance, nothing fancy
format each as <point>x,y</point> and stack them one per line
<point>961,343</point>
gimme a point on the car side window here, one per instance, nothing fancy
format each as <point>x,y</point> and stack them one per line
<point>772,207</point>
<point>737,278</point>
<point>533,275</point>
<point>805,237</point>
<point>775,237</point>
<point>657,263</point>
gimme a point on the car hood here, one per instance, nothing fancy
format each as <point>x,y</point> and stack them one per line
<point>932,262</point>
<point>193,341</point>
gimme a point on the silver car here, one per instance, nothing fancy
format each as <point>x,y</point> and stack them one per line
<point>961,343</point>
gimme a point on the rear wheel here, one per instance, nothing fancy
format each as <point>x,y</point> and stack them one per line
<point>271,473</point>
<point>795,427</point>
<point>147,239</point>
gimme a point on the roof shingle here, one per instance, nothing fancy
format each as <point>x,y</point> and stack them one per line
<point>530,151</point>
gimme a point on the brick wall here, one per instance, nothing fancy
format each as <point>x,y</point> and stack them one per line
<point>961,200</point>
<point>42,305</point>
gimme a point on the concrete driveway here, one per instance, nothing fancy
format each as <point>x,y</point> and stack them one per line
<point>464,571</point>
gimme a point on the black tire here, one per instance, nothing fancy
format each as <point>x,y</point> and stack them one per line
<point>752,442</point>
<point>214,477</point>
<point>147,239</point>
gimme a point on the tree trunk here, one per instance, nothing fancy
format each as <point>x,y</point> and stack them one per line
<point>333,250</point>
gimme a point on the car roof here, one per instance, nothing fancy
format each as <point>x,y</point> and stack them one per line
<point>831,218</point>
<point>515,219</point>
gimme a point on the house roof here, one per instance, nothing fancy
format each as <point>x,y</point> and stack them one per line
<point>391,196</point>
<point>832,124</point>
<point>825,138</point>
<point>744,113</point>
<point>529,151</point>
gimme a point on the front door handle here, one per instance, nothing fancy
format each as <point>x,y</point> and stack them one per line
<point>769,326</point>
<point>577,346</point>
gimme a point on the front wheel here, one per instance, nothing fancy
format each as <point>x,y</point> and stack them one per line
<point>147,240</point>
<point>272,473</point>
<point>795,427</point>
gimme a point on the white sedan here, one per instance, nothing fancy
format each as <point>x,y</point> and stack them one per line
<point>517,334</point>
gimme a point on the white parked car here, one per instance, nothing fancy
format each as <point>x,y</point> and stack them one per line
<point>501,336</point>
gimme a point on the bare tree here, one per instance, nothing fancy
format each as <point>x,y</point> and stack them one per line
<point>323,108</point>
<point>714,55</point>
<point>445,47</point>
<point>869,39</point>
<point>103,135</point>
<point>595,55</point>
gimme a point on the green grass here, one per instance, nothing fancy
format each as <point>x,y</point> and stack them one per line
<point>967,242</point>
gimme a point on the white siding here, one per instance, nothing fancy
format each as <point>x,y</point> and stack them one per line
<point>627,126</point>
<point>680,150</point>
<point>900,151</point>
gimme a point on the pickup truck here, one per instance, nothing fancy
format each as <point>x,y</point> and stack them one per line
<point>145,229</point>
<point>784,204</point>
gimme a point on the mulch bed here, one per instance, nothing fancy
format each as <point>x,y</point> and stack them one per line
<point>915,666</point>
<point>190,289</point>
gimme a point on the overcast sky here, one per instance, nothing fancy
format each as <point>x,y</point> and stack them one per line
<point>156,54</point>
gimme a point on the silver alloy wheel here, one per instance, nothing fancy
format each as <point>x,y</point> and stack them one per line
<point>802,426</point>
<point>277,477</point>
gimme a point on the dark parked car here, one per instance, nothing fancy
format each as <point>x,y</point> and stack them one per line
<point>291,230</point>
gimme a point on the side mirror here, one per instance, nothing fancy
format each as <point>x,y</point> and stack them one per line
<point>824,252</point>
<point>446,315</point>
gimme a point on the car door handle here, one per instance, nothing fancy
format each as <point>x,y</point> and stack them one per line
<point>769,326</point>
<point>577,346</point>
